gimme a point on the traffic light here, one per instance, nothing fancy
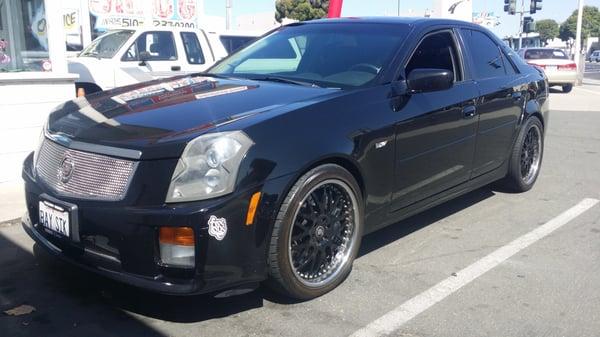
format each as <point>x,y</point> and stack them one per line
<point>536,5</point>
<point>528,24</point>
<point>510,6</point>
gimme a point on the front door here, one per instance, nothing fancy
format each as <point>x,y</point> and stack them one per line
<point>153,55</point>
<point>435,141</point>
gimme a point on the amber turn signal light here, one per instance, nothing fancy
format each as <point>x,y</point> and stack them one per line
<point>80,92</point>
<point>180,236</point>
<point>252,208</point>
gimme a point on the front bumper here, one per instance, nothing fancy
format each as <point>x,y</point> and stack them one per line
<point>120,240</point>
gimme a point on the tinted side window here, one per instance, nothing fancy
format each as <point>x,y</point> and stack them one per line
<point>485,54</point>
<point>436,51</point>
<point>192,47</point>
<point>159,46</point>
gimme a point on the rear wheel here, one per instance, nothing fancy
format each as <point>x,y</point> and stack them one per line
<point>526,157</point>
<point>567,88</point>
<point>317,233</point>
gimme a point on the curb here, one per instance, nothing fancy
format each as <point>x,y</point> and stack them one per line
<point>9,223</point>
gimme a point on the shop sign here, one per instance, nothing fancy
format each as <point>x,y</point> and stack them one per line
<point>112,14</point>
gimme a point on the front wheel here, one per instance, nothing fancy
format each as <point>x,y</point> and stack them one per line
<point>526,157</point>
<point>317,233</point>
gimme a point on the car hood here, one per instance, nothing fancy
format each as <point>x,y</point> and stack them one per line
<point>158,118</point>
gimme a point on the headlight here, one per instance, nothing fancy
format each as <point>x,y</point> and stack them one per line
<point>208,166</point>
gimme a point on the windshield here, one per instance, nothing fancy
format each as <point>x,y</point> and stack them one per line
<point>539,54</point>
<point>107,45</point>
<point>330,55</point>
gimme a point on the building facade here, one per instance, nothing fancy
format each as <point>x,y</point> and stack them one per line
<point>33,76</point>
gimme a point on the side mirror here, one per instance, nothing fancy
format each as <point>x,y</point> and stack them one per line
<point>144,57</point>
<point>428,79</point>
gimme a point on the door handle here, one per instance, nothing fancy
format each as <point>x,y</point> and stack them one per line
<point>469,111</point>
<point>175,68</point>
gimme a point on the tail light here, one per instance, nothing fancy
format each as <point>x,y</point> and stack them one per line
<point>538,66</point>
<point>569,66</point>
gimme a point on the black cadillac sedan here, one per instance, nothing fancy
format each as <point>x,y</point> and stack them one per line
<point>272,165</point>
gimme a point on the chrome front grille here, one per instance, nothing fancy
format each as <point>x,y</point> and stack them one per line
<point>84,175</point>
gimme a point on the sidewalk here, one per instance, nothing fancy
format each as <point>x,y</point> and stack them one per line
<point>582,98</point>
<point>12,200</point>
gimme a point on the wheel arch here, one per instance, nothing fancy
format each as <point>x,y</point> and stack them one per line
<point>533,108</point>
<point>345,161</point>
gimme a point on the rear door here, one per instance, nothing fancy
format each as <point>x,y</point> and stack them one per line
<point>197,53</point>
<point>436,139</point>
<point>500,102</point>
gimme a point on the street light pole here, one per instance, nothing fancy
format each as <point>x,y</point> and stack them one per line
<point>521,13</point>
<point>398,7</point>
<point>228,14</point>
<point>578,44</point>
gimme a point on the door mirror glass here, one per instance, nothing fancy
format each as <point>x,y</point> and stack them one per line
<point>429,79</point>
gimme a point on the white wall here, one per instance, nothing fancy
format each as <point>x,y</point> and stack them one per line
<point>27,99</point>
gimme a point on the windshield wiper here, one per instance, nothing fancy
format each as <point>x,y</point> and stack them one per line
<point>285,80</point>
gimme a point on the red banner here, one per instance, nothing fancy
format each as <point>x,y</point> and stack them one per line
<point>335,8</point>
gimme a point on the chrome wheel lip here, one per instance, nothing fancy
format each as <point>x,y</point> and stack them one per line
<point>341,259</point>
<point>531,152</point>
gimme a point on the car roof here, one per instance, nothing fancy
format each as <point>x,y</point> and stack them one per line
<point>415,21</point>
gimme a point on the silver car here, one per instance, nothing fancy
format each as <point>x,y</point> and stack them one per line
<point>559,68</point>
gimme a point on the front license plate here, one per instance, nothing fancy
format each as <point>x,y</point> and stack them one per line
<point>54,218</point>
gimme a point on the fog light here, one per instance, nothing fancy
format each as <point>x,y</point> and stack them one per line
<point>177,246</point>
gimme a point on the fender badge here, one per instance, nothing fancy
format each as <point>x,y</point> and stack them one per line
<point>217,227</point>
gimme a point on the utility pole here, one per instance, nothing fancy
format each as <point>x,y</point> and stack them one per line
<point>578,44</point>
<point>228,14</point>
<point>521,13</point>
<point>398,7</point>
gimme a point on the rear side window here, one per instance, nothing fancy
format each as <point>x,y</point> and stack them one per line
<point>192,47</point>
<point>485,54</point>
<point>158,46</point>
<point>539,54</point>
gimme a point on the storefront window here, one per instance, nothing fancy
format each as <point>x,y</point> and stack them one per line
<point>23,36</point>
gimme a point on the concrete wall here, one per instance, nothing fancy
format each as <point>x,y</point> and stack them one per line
<point>26,99</point>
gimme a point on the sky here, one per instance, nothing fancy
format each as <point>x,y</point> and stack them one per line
<point>558,10</point>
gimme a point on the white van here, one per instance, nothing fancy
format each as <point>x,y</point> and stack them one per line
<point>127,56</point>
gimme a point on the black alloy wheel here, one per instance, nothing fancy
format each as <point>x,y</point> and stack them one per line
<point>317,233</point>
<point>525,160</point>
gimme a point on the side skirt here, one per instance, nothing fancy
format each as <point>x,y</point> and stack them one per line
<point>441,197</point>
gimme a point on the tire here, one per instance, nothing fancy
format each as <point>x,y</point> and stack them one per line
<point>297,248</point>
<point>520,178</point>
<point>567,88</point>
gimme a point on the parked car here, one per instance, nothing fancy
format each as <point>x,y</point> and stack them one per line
<point>232,40</point>
<point>560,70</point>
<point>595,56</point>
<point>126,56</point>
<point>212,183</point>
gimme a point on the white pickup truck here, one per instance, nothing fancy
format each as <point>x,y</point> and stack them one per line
<point>126,56</point>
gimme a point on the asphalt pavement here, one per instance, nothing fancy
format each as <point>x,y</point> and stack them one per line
<point>510,279</point>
